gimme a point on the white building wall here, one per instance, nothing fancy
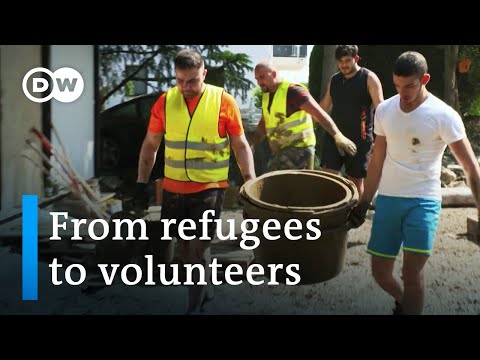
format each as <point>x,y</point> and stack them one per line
<point>75,121</point>
<point>258,53</point>
<point>18,115</point>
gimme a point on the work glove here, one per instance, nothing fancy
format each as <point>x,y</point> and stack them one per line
<point>345,145</point>
<point>358,214</point>
<point>140,200</point>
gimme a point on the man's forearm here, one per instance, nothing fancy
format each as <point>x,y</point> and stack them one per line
<point>372,181</point>
<point>245,162</point>
<point>328,124</point>
<point>374,171</point>
<point>463,152</point>
<point>473,181</point>
<point>145,163</point>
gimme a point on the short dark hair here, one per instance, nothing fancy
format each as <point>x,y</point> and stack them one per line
<point>188,59</point>
<point>346,50</point>
<point>410,63</point>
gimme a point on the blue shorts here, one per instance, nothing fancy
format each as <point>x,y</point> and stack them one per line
<point>411,222</point>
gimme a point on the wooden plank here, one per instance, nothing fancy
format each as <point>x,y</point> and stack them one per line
<point>455,168</point>
<point>44,202</point>
<point>45,230</point>
<point>65,251</point>
<point>472,230</point>
<point>106,196</point>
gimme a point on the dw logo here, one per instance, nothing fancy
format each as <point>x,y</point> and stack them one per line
<point>66,85</point>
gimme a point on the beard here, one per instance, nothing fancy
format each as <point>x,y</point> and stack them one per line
<point>264,89</point>
<point>347,71</point>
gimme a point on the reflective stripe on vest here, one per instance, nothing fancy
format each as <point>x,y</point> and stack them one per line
<point>282,131</point>
<point>194,151</point>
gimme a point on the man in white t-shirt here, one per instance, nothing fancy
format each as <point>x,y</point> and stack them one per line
<point>413,129</point>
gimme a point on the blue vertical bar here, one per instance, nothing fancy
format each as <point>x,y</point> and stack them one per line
<point>29,247</point>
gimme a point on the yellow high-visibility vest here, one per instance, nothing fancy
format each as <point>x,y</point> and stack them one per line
<point>282,131</point>
<point>194,151</point>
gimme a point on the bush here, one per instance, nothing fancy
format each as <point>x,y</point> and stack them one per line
<point>469,82</point>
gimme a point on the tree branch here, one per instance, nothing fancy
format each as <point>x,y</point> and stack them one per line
<point>129,77</point>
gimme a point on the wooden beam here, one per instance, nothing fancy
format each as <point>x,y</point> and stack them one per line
<point>42,204</point>
<point>472,230</point>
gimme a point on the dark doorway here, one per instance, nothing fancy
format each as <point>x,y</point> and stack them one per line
<point>0,132</point>
<point>380,59</point>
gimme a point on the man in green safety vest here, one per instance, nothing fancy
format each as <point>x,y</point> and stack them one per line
<point>287,112</point>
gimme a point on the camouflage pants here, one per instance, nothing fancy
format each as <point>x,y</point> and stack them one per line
<point>292,158</point>
<point>195,251</point>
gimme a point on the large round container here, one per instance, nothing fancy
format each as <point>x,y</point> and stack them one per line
<point>302,195</point>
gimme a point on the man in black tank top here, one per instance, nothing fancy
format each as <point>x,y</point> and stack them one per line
<point>351,96</point>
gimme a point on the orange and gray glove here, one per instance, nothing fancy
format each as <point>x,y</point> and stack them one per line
<point>344,145</point>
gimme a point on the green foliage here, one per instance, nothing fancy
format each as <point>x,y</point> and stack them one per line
<point>472,128</point>
<point>315,71</point>
<point>159,61</point>
<point>257,97</point>
<point>315,88</point>
<point>235,68</point>
<point>469,51</point>
<point>474,109</point>
<point>129,88</point>
<point>469,83</point>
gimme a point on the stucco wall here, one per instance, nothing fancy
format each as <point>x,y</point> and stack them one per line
<point>75,121</point>
<point>18,115</point>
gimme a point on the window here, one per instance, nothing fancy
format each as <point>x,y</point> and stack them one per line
<point>290,50</point>
<point>139,87</point>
